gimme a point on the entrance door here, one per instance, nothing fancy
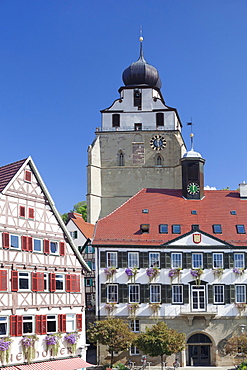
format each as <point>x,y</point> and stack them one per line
<point>199,346</point>
<point>198,298</point>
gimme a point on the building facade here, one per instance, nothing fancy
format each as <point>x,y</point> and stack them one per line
<point>138,145</point>
<point>42,272</point>
<point>179,256</point>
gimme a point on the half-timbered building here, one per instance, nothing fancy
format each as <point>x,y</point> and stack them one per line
<point>42,272</point>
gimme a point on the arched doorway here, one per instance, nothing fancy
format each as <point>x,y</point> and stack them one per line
<point>199,346</point>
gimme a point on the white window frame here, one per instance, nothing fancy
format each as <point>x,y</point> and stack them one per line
<point>18,238</point>
<point>70,322</point>
<point>134,293</point>
<point>112,293</point>
<point>25,319</point>
<point>28,278</point>
<point>239,262</point>
<point>177,294</point>
<point>197,260</point>
<point>134,351</point>
<point>133,259</point>
<point>218,261</point>
<point>60,278</point>
<point>90,249</point>
<point>111,259</point>
<point>154,259</point>
<point>41,245</point>
<point>46,282</point>
<point>176,260</point>
<point>4,320</point>
<point>155,293</point>
<point>53,318</point>
<point>135,325</point>
<point>238,294</point>
<point>219,294</point>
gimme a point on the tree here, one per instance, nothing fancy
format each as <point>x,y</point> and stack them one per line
<point>160,340</point>
<point>237,345</point>
<point>113,333</point>
<point>80,207</point>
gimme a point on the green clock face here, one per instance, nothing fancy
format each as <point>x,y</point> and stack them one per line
<point>193,188</point>
<point>158,142</point>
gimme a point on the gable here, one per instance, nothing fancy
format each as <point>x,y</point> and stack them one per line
<point>197,239</point>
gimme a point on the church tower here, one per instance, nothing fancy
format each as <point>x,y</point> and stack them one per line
<point>139,144</point>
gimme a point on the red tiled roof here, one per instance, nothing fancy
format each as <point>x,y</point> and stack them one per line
<point>68,364</point>
<point>85,227</point>
<point>122,227</point>
<point>7,172</point>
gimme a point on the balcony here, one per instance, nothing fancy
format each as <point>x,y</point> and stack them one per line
<point>208,313</point>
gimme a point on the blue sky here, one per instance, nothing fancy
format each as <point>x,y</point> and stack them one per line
<point>61,62</point>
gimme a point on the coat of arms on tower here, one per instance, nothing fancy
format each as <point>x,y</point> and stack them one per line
<point>197,238</point>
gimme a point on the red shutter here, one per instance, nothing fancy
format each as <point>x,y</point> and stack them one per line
<point>79,321</point>
<point>62,249</point>
<point>28,176</point>
<point>78,283</point>
<point>31,213</point>
<point>46,246</point>
<point>52,282</point>
<point>22,211</point>
<point>68,283</point>
<point>29,243</point>
<point>16,325</point>
<point>38,283</point>
<point>5,240</point>
<point>24,243</point>
<point>3,280</point>
<point>41,324</point>
<point>14,281</point>
<point>61,323</point>
<point>73,283</point>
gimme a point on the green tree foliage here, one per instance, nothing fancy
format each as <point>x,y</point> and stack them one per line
<point>113,333</point>
<point>80,207</point>
<point>160,340</point>
<point>237,345</point>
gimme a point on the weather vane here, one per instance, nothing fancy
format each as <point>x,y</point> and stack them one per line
<point>191,134</point>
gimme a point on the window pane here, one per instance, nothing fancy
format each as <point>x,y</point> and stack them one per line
<point>217,260</point>
<point>240,294</point>
<point>218,294</point>
<point>134,293</point>
<point>51,324</point>
<point>59,282</point>
<point>54,247</point>
<point>37,245</point>
<point>154,260</point>
<point>163,229</point>
<point>112,293</point>
<point>27,324</point>
<point>3,325</point>
<point>70,322</point>
<point>111,259</point>
<point>23,280</point>
<point>217,229</point>
<point>155,294</point>
<point>14,241</point>
<point>177,294</point>
<point>238,260</point>
<point>176,260</point>
<point>176,229</point>
<point>133,259</point>
<point>197,260</point>
<point>240,229</point>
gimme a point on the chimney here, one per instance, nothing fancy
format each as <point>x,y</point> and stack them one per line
<point>243,190</point>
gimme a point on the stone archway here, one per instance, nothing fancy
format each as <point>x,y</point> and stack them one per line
<point>199,350</point>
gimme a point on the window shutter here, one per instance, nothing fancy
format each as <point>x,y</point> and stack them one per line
<point>231,260</point>
<point>78,283</point>
<point>28,176</point>
<point>168,293</point>
<point>123,293</point>
<point>103,293</point>
<point>62,248</point>
<point>167,260</point>
<point>245,260</point>
<point>61,323</point>
<point>227,294</point>
<point>38,284</point>
<point>79,321</point>
<point>226,260</point>
<point>144,293</point>
<point>102,259</point>
<point>31,213</point>
<point>73,282</point>
<point>22,211</point>
<point>19,326</point>
<point>232,293</point>
<point>187,260</point>
<point>13,320</point>
<point>46,246</point>
<point>53,282</point>
<point>38,324</point>
<point>89,264</point>
<point>186,294</point>
<point>122,259</point>
<point>30,244</point>
<point>14,281</point>
<point>207,261</point>
<point>210,294</point>
<point>24,245</point>
<point>3,280</point>
<point>86,249</point>
<point>143,260</point>
<point>43,324</point>
<point>5,237</point>
<point>162,260</point>
<point>68,282</point>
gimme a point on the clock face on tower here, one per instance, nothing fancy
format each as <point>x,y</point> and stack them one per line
<point>193,188</point>
<point>158,142</point>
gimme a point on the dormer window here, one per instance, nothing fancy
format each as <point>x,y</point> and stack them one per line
<point>116,120</point>
<point>163,228</point>
<point>159,119</point>
<point>28,176</point>
<point>176,229</point>
<point>240,229</point>
<point>217,229</point>
<point>145,228</point>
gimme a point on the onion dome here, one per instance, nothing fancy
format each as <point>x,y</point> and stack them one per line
<point>141,73</point>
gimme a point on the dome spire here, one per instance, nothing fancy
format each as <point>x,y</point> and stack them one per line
<point>141,49</point>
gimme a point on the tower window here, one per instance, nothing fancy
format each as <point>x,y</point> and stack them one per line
<point>116,120</point>
<point>193,171</point>
<point>138,126</point>
<point>120,159</point>
<point>159,119</point>
<point>137,99</point>
<point>158,160</point>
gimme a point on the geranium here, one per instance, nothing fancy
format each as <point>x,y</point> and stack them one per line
<point>174,272</point>
<point>196,273</point>
<point>218,271</point>
<point>238,271</point>
<point>52,342</point>
<point>28,347</point>
<point>131,272</point>
<point>110,306</point>
<point>152,272</point>
<point>5,349</point>
<point>72,339</point>
<point>155,307</point>
<point>132,308</point>
<point>110,271</point>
